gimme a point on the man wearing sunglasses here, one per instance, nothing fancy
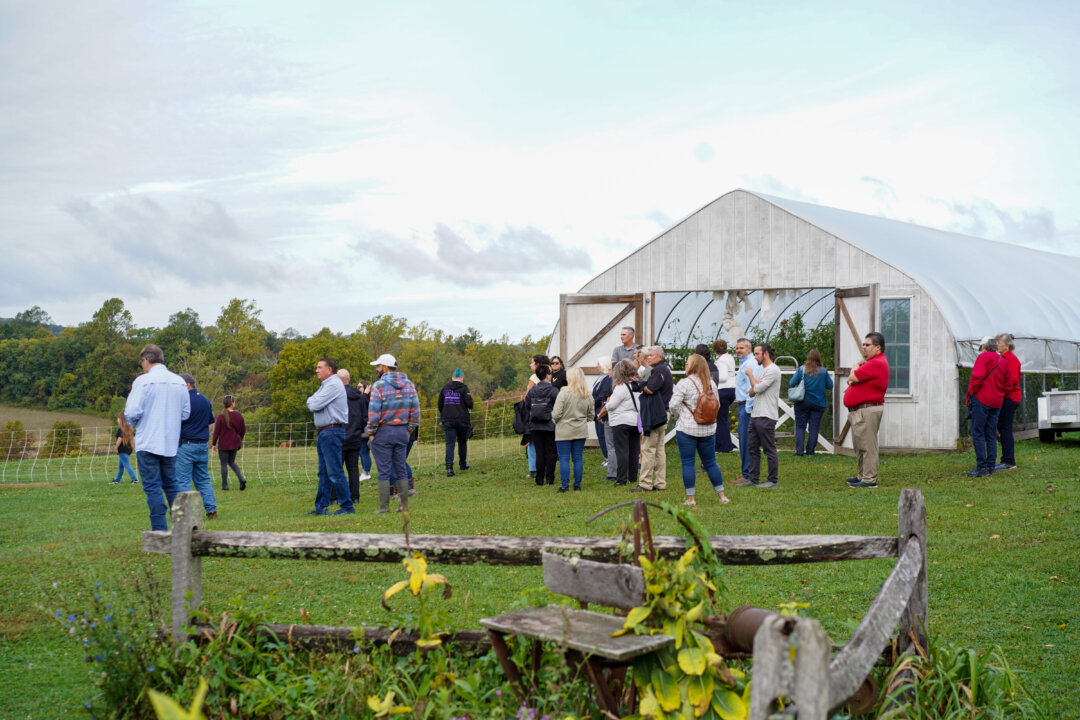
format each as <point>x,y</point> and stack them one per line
<point>865,400</point>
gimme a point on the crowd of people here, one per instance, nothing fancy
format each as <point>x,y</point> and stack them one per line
<point>370,426</point>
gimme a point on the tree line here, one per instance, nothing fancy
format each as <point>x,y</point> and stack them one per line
<point>91,365</point>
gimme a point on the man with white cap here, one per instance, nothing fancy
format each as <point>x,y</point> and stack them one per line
<point>331,410</point>
<point>394,410</point>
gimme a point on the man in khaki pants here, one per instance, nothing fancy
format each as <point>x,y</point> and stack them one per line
<point>865,401</point>
<point>653,457</point>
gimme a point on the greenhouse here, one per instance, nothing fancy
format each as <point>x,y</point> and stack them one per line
<point>746,262</point>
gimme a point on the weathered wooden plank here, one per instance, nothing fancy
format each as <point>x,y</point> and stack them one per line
<point>798,676</point>
<point>336,637</point>
<point>851,665</point>
<point>187,515</point>
<point>911,514</point>
<point>582,630</point>
<point>608,584</point>
<point>499,550</point>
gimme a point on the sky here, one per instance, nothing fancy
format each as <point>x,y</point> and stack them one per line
<point>464,163</point>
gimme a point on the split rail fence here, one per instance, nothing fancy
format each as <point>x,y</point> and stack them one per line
<point>812,681</point>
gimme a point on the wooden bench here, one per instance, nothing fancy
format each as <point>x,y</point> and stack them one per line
<point>584,635</point>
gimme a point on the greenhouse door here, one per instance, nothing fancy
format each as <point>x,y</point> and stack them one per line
<point>856,315</point>
<point>589,326</point>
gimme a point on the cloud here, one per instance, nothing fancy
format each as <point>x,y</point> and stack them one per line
<point>512,254</point>
<point>661,218</point>
<point>983,218</point>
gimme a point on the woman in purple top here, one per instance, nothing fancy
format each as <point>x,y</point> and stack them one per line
<point>229,432</point>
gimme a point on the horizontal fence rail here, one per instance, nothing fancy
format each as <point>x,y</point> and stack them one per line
<point>272,452</point>
<point>504,550</point>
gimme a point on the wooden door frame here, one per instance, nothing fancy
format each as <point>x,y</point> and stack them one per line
<point>633,301</point>
<point>840,312</point>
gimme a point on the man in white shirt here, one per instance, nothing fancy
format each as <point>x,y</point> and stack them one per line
<point>765,390</point>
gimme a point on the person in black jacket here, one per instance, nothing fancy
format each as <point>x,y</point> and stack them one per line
<point>539,403</point>
<point>350,448</point>
<point>455,402</point>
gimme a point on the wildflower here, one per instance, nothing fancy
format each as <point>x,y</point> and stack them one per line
<point>87,705</point>
<point>72,618</point>
<point>85,642</point>
<point>55,585</point>
<point>97,597</point>
<point>59,613</point>
<point>356,649</point>
<point>108,605</point>
<point>99,657</point>
<point>150,669</point>
<point>498,693</point>
<point>86,659</point>
<point>108,618</point>
<point>93,624</point>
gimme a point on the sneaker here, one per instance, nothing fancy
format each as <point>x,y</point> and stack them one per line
<point>852,481</point>
<point>343,511</point>
<point>1003,466</point>
<point>115,482</point>
<point>638,488</point>
<point>134,482</point>
<point>380,511</point>
<point>562,490</point>
<point>603,464</point>
<point>243,485</point>
<point>465,466</point>
<point>690,504</point>
<point>316,512</point>
<point>745,483</point>
<point>723,500</point>
<point>767,485</point>
<point>861,484</point>
<point>531,475</point>
<point>577,488</point>
<point>212,515</point>
<point>365,476</point>
<point>412,493</point>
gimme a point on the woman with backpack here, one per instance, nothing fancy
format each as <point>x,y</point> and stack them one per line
<point>622,421</point>
<point>695,405</point>
<point>539,402</point>
<point>815,381</point>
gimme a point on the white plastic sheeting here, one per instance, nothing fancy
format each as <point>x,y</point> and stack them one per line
<point>982,287</point>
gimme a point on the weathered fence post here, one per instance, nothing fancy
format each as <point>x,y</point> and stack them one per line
<point>187,514</point>
<point>911,518</point>
<point>804,679</point>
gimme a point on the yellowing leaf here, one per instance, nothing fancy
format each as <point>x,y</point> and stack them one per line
<point>633,619</point>
<point>648,707</point>
<point>692,661</point>
<point>695,612</point>
<point>168,709</point>
<point>729,706</point>
<point>667,690</point>
<point>393,590</point>
<point>699,692</point>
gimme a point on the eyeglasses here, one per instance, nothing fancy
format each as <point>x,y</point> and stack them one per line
<point>868,344</point>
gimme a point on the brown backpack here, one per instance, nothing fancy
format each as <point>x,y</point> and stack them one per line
<point>708,407</point>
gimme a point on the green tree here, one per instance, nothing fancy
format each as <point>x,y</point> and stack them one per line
<point>241,335</point>
<point>292,379</point>
<point>380,334</point>
<point>184,331</point>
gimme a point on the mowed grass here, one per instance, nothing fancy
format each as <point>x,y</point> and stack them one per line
<point>36,419</point>
<point>1004,554</point>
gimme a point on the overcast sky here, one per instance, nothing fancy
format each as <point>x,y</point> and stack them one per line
<point>465,162</point>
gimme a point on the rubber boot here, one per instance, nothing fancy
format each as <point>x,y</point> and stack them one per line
<point>403,494</point>
<point>384,498</point>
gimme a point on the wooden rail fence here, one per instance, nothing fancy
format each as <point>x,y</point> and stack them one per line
<point>808,678</point>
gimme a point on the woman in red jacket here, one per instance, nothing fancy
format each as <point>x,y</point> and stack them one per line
<point>986,392</point>
<point>228,437</point>
<point>1005,346</point>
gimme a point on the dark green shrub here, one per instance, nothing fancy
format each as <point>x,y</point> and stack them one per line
<point>14,441</point>
<point>64,440</point>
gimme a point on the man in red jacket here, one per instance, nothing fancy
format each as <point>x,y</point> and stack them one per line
<point>985,395</point>
<point>865,401</point>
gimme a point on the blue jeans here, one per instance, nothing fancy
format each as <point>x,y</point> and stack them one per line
<point>600,437</point>
<point>331,475</point>
<point>807,414</point>
<point>744,440</point>
<point>530,453</point>
<point>123,461</point>
<point>984,434</point>
<point>723,419</point>
<point>159,484</point>
<point>1005,430</point>
<point>456,433</point>
<point>705,448</point>
<point>570,449</point>
<point>193,465</point>
<point>365,456</point>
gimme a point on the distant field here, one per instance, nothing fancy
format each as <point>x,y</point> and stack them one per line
<point>34,419</point>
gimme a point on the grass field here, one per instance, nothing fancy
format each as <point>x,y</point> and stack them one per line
<point>1004,554</point>
<point>36,419</point>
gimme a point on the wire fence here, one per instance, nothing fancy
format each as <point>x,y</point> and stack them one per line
<point>272,452</point>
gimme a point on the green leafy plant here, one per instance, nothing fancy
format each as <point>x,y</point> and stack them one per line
<point>168,709</point>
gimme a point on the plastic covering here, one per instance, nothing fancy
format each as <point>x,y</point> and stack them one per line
<point>982,287</point>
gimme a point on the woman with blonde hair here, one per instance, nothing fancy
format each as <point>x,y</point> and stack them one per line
<point>690,435</point>
<point>125,445</point>
<point>601,391</point>
<point>572,413</point>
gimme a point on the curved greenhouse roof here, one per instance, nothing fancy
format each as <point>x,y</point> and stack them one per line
<point>981,286</point>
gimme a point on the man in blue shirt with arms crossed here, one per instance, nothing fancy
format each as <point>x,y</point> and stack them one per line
<point>157,404</point>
